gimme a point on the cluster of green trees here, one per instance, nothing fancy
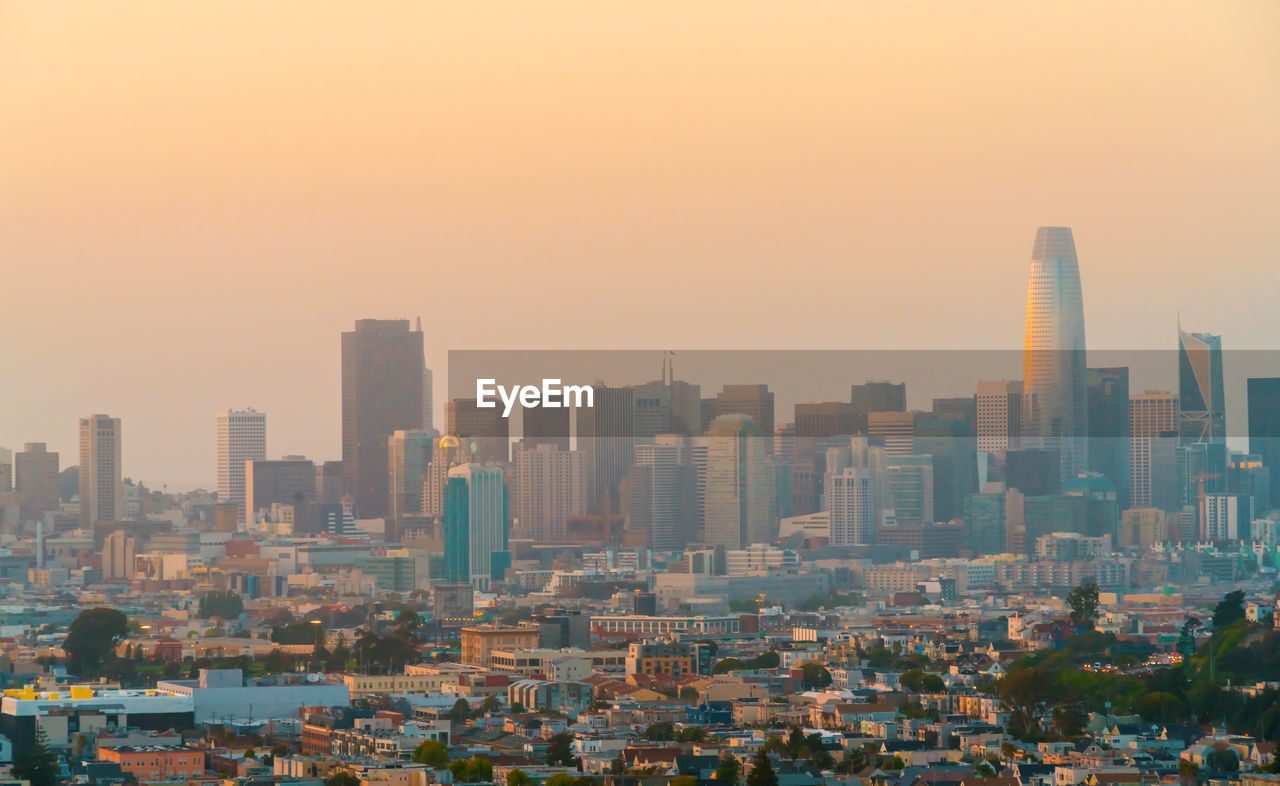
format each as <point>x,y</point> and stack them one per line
<point>665,731</point>
<point>765,660</point>
<point>797,746</point>
<point>226,605</point>
<point>1062,685</point>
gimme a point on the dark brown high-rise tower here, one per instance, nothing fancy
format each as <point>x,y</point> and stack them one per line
<point>382,364</point>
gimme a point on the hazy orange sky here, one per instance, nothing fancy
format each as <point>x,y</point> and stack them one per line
<point>196,199</point>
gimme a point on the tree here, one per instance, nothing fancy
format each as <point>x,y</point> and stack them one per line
<point>1084,605</point>
<point>92,639</point>
<point>275,662</point>
<point>893,762</point>
<point>619,765</point>
<point>662,731</point>
<point>560,779</point>
<point>473,770</point>
<point>517,777</point>
<point>854,761</point>
<point>38,766</point>
<point>911,680</point>
<point>1229,610</point>
<point>337,660</point>
<point>762,773</point>
<point>729,769</point>
<point>560,750</point>
<point>338,778</point>
<point>1187,639</point>
<point>766,660</point>
<point>461,712</point>
<point>691,734</point>
<point>1025,691</point>
<point>815,675</point>
<point>1224,760</point>
<point>726,665</point>
<point>491,704</point>
<point>433,753</point>
<point>795,742</point>
<point>228,605</point>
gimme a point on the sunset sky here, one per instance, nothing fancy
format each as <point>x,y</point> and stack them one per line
<point>197,198</point>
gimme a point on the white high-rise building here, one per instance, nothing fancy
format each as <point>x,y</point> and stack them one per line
<point>551,486</point>
<point>1153,416</point>
<point>242,436</point>
<point>850,496</point>
<point>1055,400</point>
<point>999,406</point>
<point>1225,516</point>
<point>101,473</point>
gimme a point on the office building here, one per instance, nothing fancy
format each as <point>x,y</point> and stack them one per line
<point>1153,420</point>
<point>409,453</point>
<point>666,405</point>
<point>485,434</point>
<point>1264,427</point>
<point>328,482</point>
<point>606,435</point>
<point>382,375</point>
<point>817,420</point>
<point>242,436</point>
<point>660,488</point>
<point>1100,509</point>
<point>962,408</point>
<point>1054,397</point>
<point>894,430</point>
<point>6,470</point>
<point>1201,397</point>
<point>1225,517</point>
<point>1109,431</point>
<point>290,480</point>
<point>999,416</point>
<point>950,442</point>
<point>65,714</point>
<point>739,490</point>
<point>119,555</point>
<point>35,477</point>
<point>850,495</point>
<point>475,526</point>
<point>551,486</point>
<point>910,486</point>
<point>984,514</point>
<point>1033,471</point>
<point>753,401</point>
<point>878,397</point>
<point>428,400</point>
<point>544,426</point>
<point>1142,528</point>
<point>101,478</point>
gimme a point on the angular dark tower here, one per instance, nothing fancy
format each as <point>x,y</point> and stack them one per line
<point>382,371</point>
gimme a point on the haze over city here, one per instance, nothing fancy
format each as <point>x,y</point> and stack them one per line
<point>566,393</point>
<point>197,199</point>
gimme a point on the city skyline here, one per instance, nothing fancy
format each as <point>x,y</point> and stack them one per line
<point>870,149</point>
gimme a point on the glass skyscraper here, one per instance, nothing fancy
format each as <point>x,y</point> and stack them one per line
<point>1055,405</point>
<point>1200,389</point>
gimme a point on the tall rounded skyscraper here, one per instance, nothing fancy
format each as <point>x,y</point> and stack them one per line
<point>1055,413</point>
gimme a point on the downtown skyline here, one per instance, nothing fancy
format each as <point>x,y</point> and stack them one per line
<point>190,237</point>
